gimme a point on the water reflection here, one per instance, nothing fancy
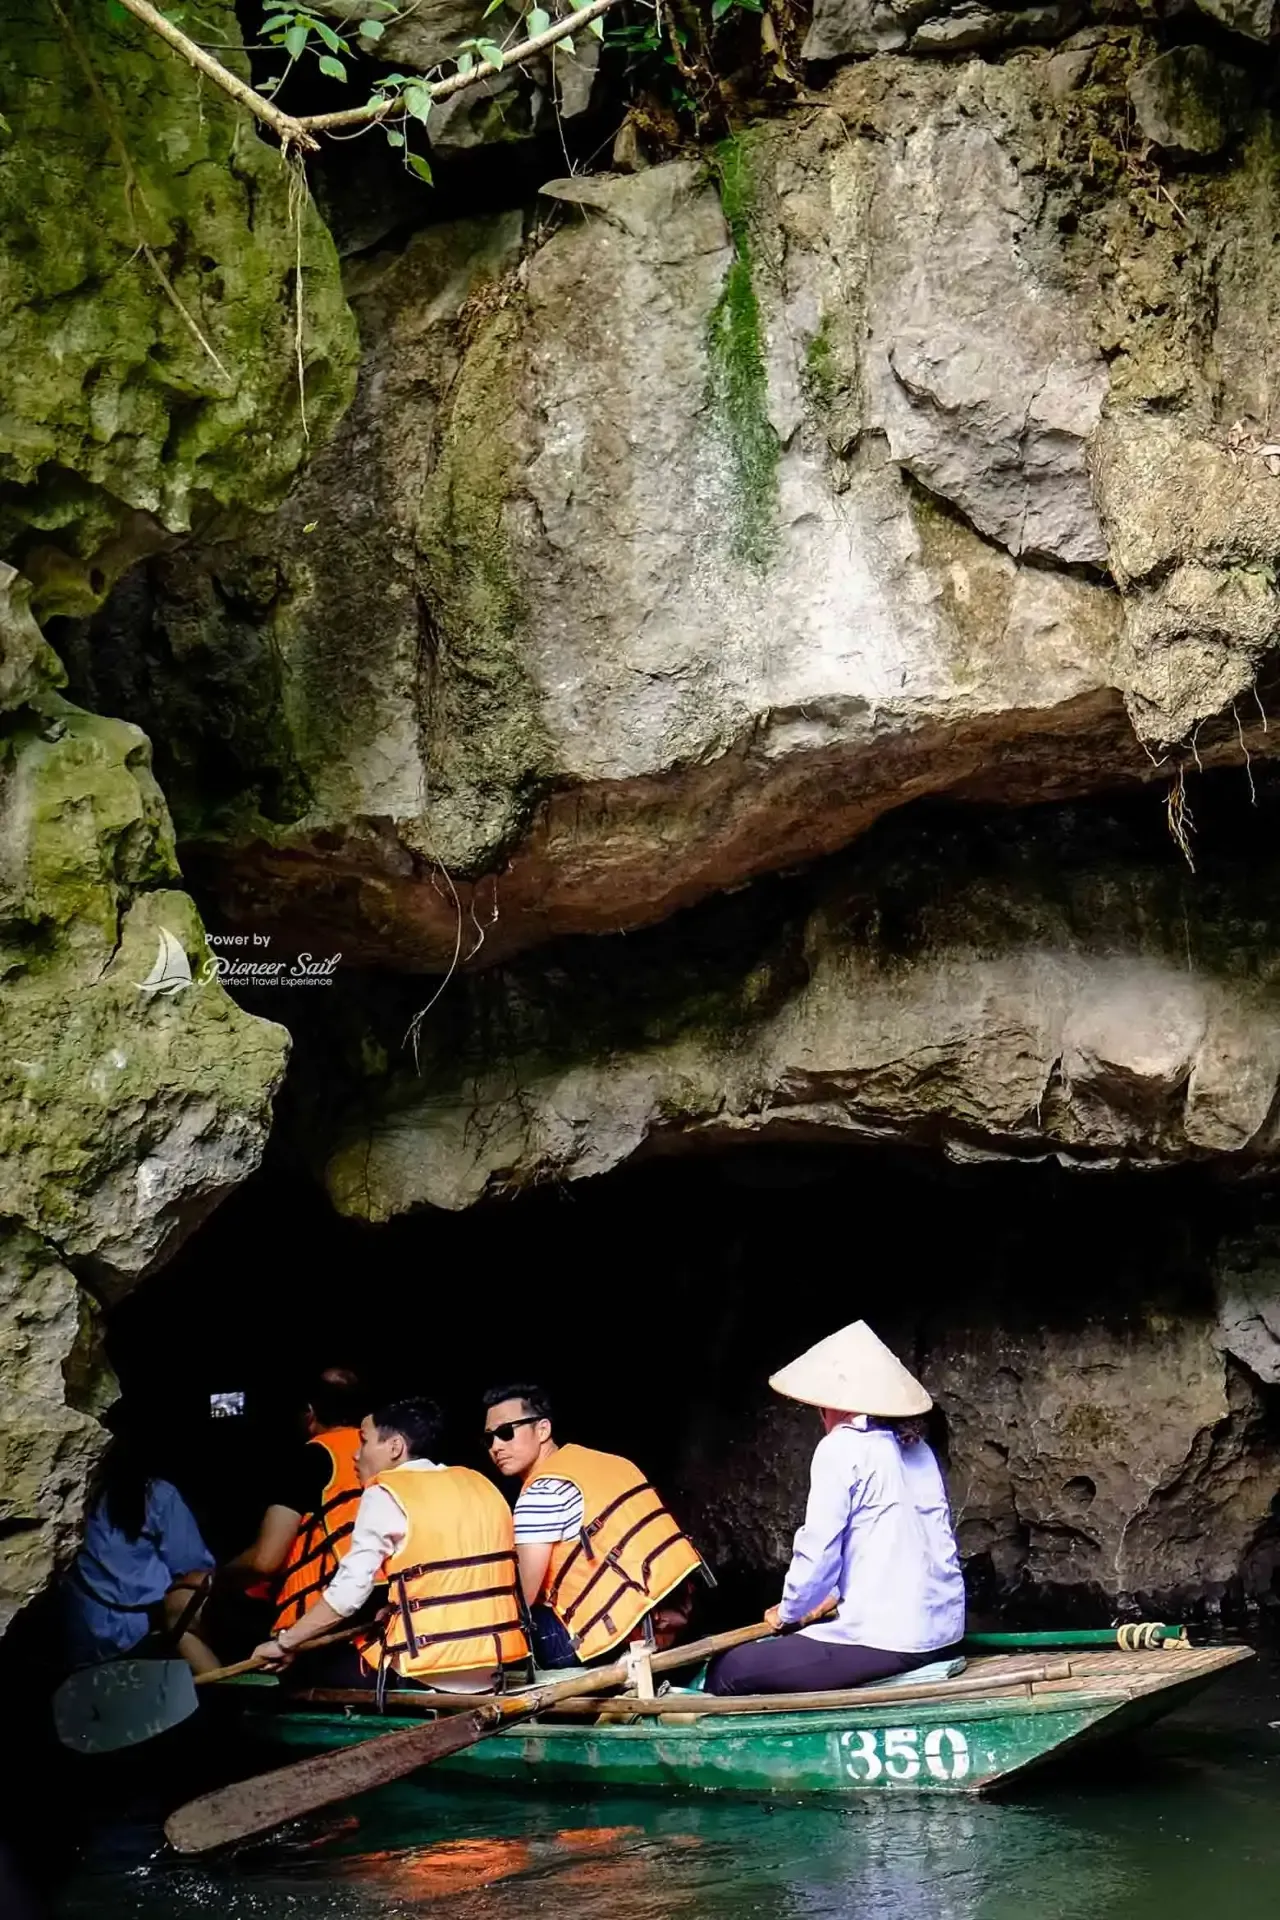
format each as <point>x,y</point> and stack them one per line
<point>1165,1829</point>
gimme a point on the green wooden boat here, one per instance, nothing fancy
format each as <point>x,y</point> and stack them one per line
<point>965,1741</point>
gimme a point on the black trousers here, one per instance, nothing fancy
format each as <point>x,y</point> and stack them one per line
<point>797,1663</point>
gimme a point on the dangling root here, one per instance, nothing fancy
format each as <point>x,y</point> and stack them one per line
<point>1179,817</point>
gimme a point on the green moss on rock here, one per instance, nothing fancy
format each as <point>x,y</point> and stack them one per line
<point>148,254</point>
<point>738,387</point>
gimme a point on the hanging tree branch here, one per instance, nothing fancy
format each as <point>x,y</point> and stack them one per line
<point>291,131</point>
<point>300,130</point>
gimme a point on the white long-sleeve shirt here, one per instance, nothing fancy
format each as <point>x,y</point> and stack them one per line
<point>877,1531</point>
<point>379,1531</point>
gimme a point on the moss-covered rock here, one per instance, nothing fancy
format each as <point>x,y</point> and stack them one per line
<point>150,327</point>
<point>124,1114</point>
<point>52,1381</point>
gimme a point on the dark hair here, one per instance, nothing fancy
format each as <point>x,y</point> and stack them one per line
<point>536,1400</point>
<point>337,1398</point>
<point>909,1432</point>
<point>125,1487</point>
<point>418,1422</point>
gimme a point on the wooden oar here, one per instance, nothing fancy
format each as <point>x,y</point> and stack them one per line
<point>270,1799</point>
<point>258,1666</point>
<point>123,1703</point>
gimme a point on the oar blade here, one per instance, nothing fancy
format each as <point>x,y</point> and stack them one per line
<point>270,1800</point>
<point>122,1703</point>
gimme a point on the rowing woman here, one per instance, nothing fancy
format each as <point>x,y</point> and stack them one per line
<point>877,1533</point>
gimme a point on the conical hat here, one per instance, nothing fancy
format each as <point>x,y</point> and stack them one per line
<point>853,1372</point>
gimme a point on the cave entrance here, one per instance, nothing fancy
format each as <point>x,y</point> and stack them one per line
<point>1067,1324</point>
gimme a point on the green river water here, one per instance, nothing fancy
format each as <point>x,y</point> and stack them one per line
<point>1181,1823</point>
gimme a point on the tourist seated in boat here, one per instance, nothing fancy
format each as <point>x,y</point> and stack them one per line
<point>441,1538</point>
<point>877,1534</point>
<point>306,1526</point>
<point>598,1550</point>
<point>139,1581</point>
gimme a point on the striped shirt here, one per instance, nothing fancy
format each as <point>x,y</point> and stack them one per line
<point>549,1509</point>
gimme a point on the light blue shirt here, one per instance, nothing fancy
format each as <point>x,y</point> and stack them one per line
<point>114,1580</point>
<point>877,1531</point>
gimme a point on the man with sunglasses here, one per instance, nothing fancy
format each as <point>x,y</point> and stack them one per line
<point>597,1549</point>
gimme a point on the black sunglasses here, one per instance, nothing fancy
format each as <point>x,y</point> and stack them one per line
<point>507,1431</point>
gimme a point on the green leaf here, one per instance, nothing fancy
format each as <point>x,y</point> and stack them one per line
<point>371,29</point>
<point>417,101</point>
<point>492,8</point>
<point>4,125</point>
<point>332,40</point>
<point>394,137</point>
<point>536,21</point>
<point>465,62</point>
<point>334,68</point>
<point>565,45</point>
<point>596,26</point>
<point>419,166</point>
<point>296,39</point>
<point>490,52</point>
<point>276,22</point>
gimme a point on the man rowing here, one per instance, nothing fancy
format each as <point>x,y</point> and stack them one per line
<point>441,1538</point>
<point>877,1533</point>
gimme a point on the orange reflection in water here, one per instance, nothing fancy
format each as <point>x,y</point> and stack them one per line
<point>451,1867</point>
<point>584,1839</point>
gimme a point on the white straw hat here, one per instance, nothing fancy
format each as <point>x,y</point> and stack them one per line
<point>853,1372</point>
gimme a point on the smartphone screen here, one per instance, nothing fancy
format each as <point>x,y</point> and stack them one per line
<point>225,1406</point>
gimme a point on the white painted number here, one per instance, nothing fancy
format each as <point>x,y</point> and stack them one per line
<point>860,1748</point>
<point>933,1756</point>
<point>895,1754</point>
<point>901,1761</point>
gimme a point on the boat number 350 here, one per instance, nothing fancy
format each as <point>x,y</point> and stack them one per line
<point>899,1753</point>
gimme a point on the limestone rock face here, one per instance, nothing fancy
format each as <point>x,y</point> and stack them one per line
<point>693,524</point>
<point>1014,993</point>
<point>129,414</point>
<point>1186,100</point>
<point>53,1384</point>
<point>124,1113</point>
<point>1123,1458</point>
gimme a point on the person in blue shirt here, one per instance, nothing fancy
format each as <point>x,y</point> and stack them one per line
<point>140,1568</point>
<point>877,1538</point>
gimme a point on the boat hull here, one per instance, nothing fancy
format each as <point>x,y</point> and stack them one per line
<point>969,1745</point>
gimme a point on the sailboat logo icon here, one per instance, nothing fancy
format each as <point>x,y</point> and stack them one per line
<point>171,971</point>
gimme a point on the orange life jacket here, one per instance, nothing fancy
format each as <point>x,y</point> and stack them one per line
<point>454,1590</point>
<point>324,1536</point>
<point>629,1554</point>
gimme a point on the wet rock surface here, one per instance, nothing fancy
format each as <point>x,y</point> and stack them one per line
<point>695,518</point>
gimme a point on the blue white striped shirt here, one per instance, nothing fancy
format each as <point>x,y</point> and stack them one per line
<point>549,1509</point>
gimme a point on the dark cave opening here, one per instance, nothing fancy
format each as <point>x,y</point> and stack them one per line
<point>653,1302</point>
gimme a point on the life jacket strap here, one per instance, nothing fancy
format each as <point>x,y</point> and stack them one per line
<point>589,1531</point>
<point>448,1566</point>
